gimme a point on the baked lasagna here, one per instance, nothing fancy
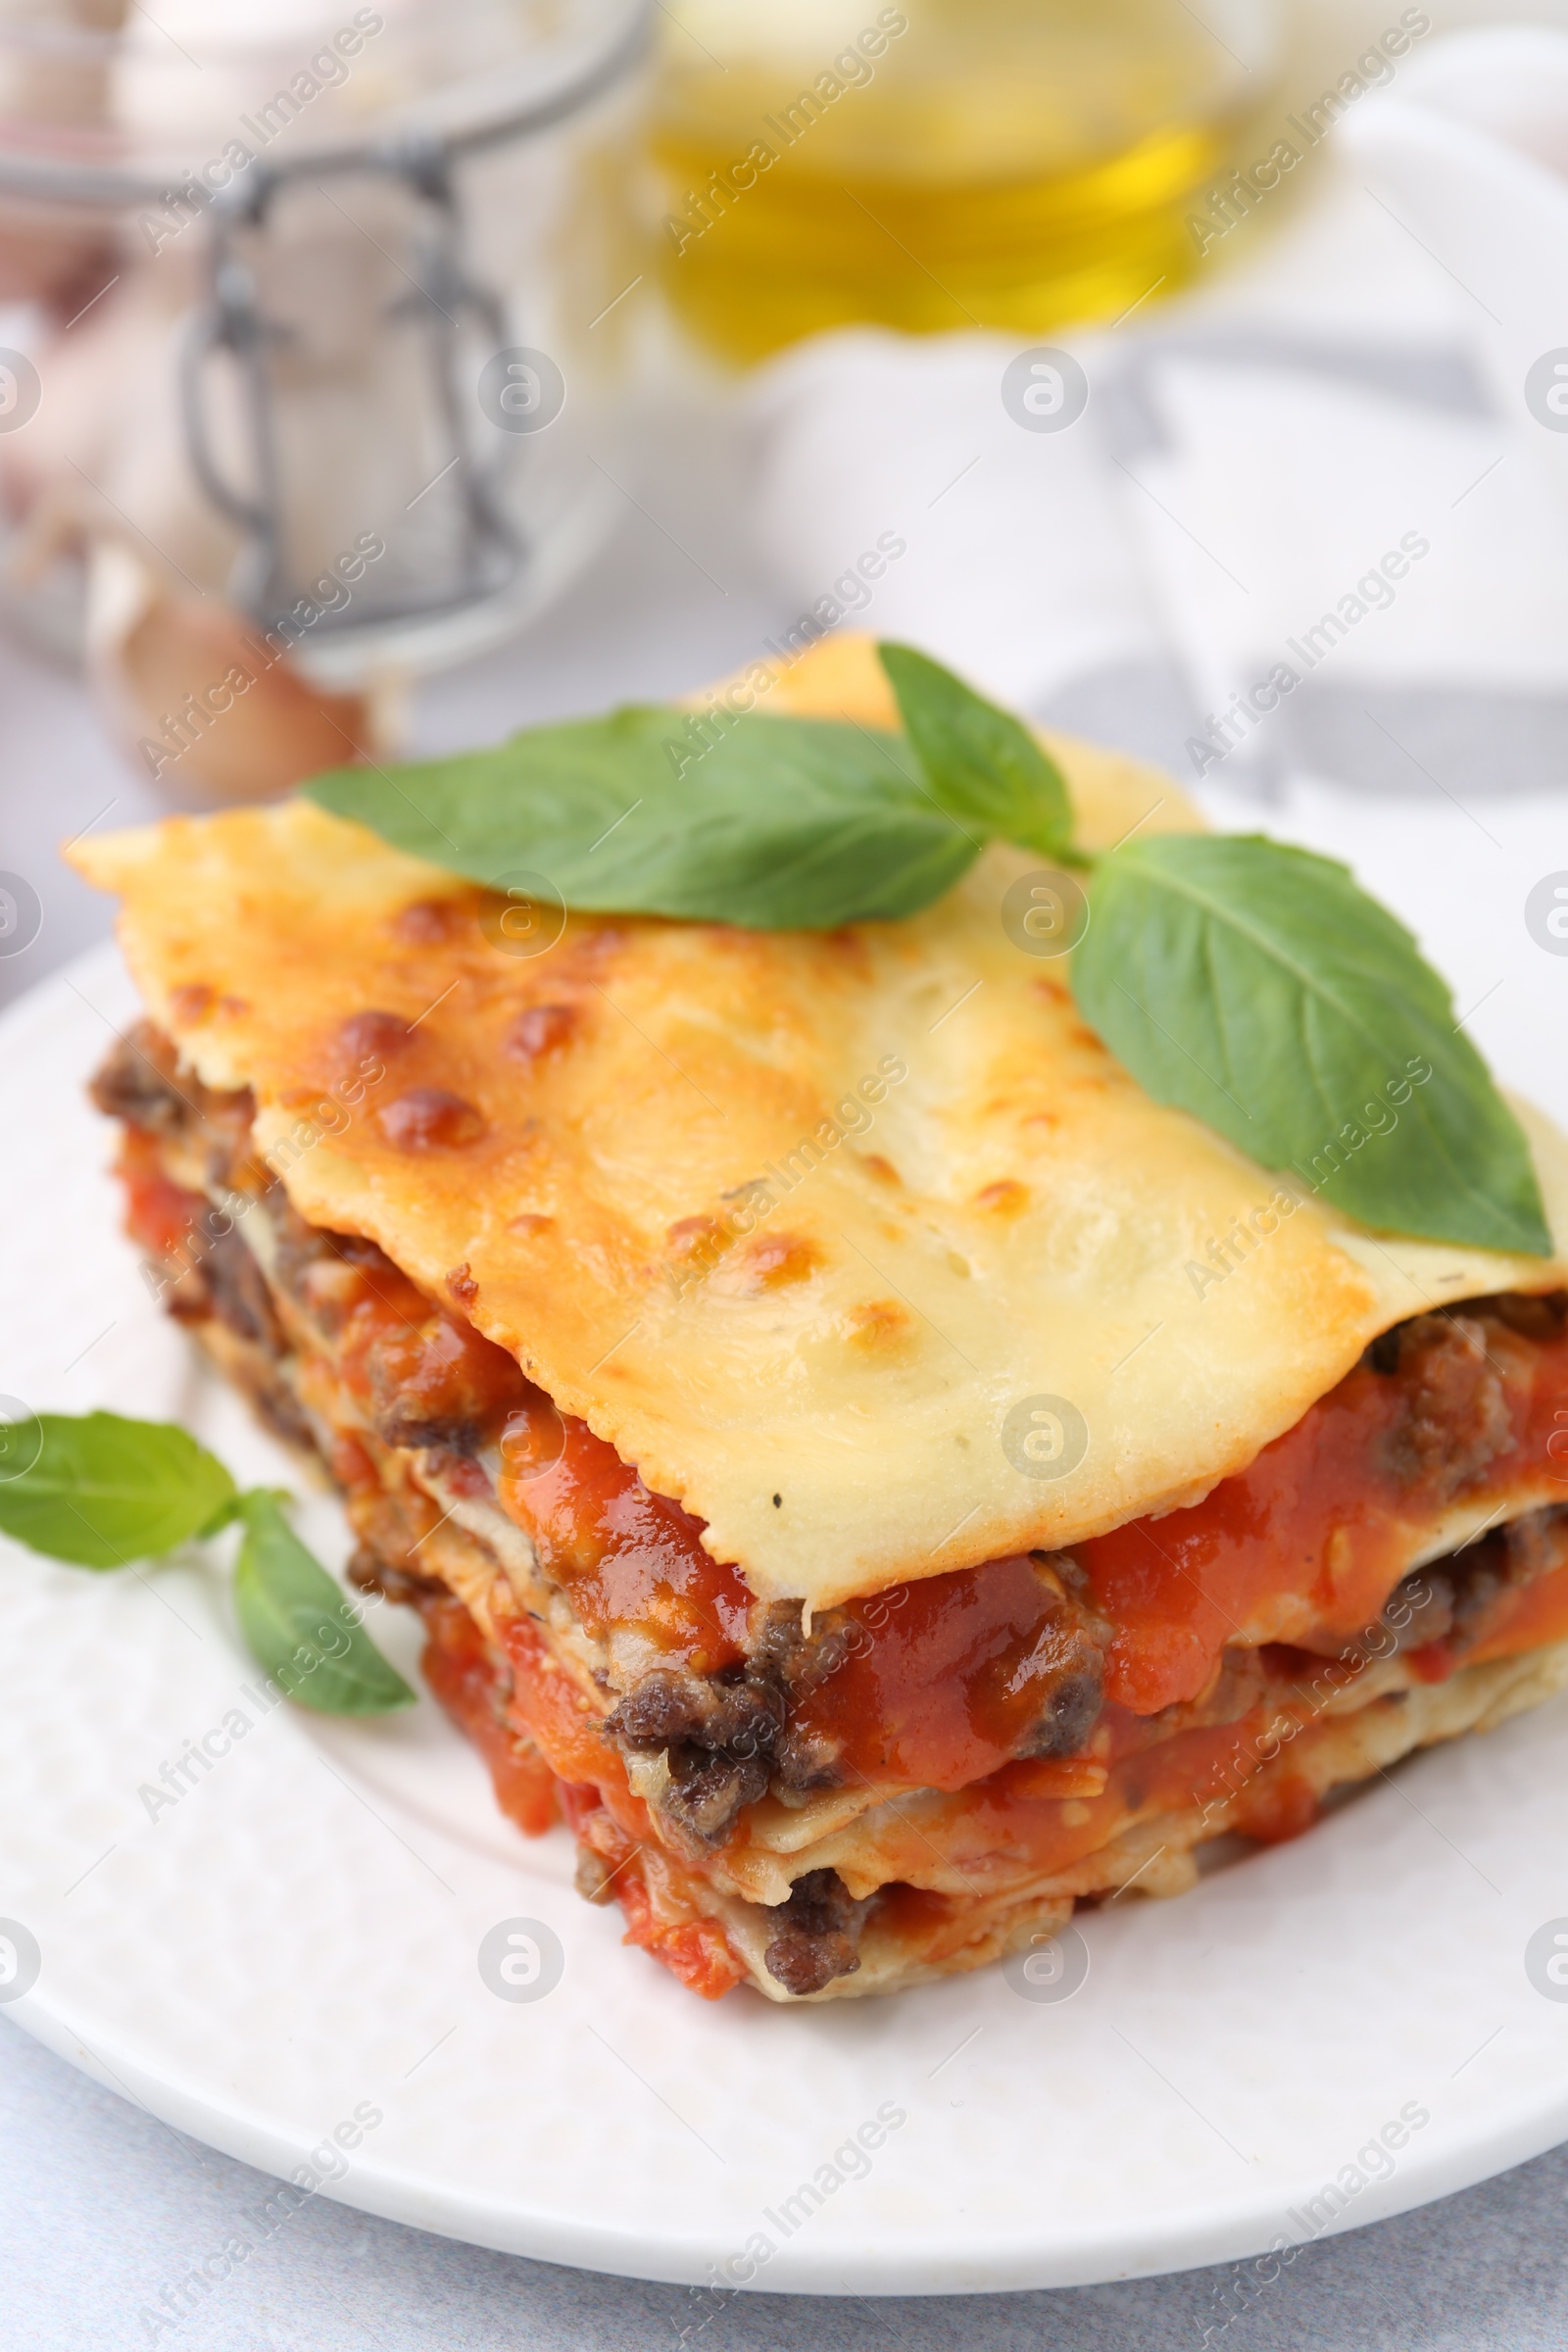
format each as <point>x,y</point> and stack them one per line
<point>876,1475</point>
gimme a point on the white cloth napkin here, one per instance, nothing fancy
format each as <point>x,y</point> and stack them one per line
<point>1300,530</point>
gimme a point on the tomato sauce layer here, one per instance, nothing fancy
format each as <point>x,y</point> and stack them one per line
<point>945,1675</point>
<point>1329,1515</point>
<point>167,1219</point>
<point>944,1679</point>
<point>625,1555</point>
<point>942,1674</point>
<point>459,1670</point>
<point>414,1364</point>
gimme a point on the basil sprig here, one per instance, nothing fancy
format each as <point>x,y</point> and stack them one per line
<point>1259,988</point>
<point>101,1491</point>
<point>776,824</point>
<point>985,769</point>
<point>296,1623</point>
<point>1253,985</point>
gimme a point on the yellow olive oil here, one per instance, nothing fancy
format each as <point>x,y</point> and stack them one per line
<point>939,163</point>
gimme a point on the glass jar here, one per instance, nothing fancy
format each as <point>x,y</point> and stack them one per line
<point>325,316</point>
<point>1015,163</point>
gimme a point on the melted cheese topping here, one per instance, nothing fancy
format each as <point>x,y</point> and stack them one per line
<point>848,1242</point>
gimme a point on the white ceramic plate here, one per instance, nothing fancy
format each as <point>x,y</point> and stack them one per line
<point>297,1938</point>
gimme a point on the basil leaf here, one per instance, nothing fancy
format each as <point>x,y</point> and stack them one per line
<point>982,764</point>
<point>1259,988</point>
<point>104,1490</point>
<point>298,1624</point>
<point>772,823</point>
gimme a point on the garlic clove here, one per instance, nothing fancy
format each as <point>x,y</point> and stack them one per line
<point>200,699</point>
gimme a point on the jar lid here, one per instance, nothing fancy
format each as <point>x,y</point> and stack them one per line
<point>100,106</point>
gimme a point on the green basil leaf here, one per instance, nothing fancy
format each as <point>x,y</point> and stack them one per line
<point>985,767</point>
<point>772,823</point>
<point>104,1490</point>
<point>298,1624</point>
<point>1259,988</point>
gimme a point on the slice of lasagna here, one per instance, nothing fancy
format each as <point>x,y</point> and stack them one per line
<point>874,1472</point>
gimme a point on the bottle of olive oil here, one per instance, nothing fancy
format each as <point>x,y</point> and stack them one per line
<point>938,163</point>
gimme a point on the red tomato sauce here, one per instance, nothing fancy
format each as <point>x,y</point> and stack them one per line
<point>1014,1813</point>
<point>1321,1513</point>
<point>397,1352</point>
<point>626,1557</point>
<point>943,1678</point>
<point>459,1670</point>
<point>161,1216</point>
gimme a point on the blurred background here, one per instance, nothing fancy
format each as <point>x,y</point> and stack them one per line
<point>375,380</point>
